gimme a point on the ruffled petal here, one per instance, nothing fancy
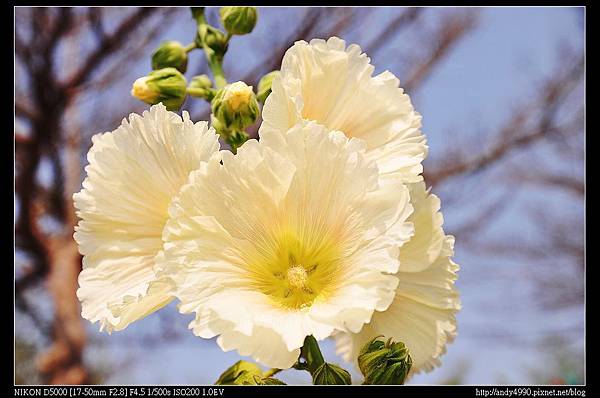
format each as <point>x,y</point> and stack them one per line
<point>426,244</point>
<point>332,84</point>
<point>422,315</point>
<point>133,174</point>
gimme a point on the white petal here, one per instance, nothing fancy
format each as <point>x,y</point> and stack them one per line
<point>333,85</point>
<point>132,176</point>
<point>422,315</point>
<point>426,244</point>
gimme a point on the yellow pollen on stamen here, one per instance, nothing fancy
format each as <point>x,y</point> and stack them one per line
<point>297,276</point>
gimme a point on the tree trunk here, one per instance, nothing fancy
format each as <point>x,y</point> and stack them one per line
<point>63,362</point>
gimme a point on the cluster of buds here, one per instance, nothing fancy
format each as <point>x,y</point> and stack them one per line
<point>381,362</point>
<point>384,362</point>
<point>234,106</point>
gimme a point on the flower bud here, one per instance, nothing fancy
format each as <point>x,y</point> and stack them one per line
<point>330,374</point>
<point>170,54</point>
<point>384,362</point>
<point>166,85</point>
<point>264,85</point>
<point>201,87</point>
<point>211,37</point>
<point>235,106</point>
<point>238,20</point>
<point>242,372</point>
<point>201,81</point>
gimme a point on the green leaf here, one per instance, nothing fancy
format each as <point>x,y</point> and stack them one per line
<point>330,374</point>
<point>271,381</point>
<point>242,372</point>
<point>312,354</point>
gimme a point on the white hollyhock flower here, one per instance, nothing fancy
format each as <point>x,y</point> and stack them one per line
<point>333,85</point>
<point>132,176</point>
<point>292,236</point>
<point>422,314</point>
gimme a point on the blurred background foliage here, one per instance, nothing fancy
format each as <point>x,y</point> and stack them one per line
<point>501,93</point>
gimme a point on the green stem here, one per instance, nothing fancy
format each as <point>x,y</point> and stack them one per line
<point>205,93</point>
<point>190,47</point>
<point>271,372</point>
<point>216,67</point>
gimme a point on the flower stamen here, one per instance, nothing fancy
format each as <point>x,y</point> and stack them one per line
<point>297,277</point>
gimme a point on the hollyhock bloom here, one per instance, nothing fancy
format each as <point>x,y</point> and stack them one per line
<point>332,84</point>
<point>293,236</point>
<point>422,314</point>
<point>133,174</point>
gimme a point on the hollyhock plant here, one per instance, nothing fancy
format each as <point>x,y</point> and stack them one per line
<point>322,227</point>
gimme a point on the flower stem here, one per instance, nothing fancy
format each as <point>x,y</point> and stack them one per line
<point>216,67</point>
<point>190,47</point>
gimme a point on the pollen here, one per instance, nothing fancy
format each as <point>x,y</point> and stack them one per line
<point>297,276</point>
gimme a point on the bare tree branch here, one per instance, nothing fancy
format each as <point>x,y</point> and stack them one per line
<point>450,32</point>
<point>508,138</point>
<point>107,47</point>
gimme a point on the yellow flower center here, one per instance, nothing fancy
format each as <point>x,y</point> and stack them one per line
<point>295,272</point>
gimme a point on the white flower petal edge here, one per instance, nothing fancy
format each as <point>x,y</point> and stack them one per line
<point>132,176</point>
<point>333,85</point>
<point>422,314</point>
<point>292,236</point>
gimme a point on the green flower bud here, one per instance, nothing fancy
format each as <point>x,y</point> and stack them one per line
<point>170,54</point>
<point>264,85</point>
<point>212,38</point>
<point>384,362</point>
<point>235,106</point>
<point>330,374</point>
<point>201,81</point>
<point>242,372</point>
<point>166,85</point>
<point>238,20</point>
<point>201,87</point>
